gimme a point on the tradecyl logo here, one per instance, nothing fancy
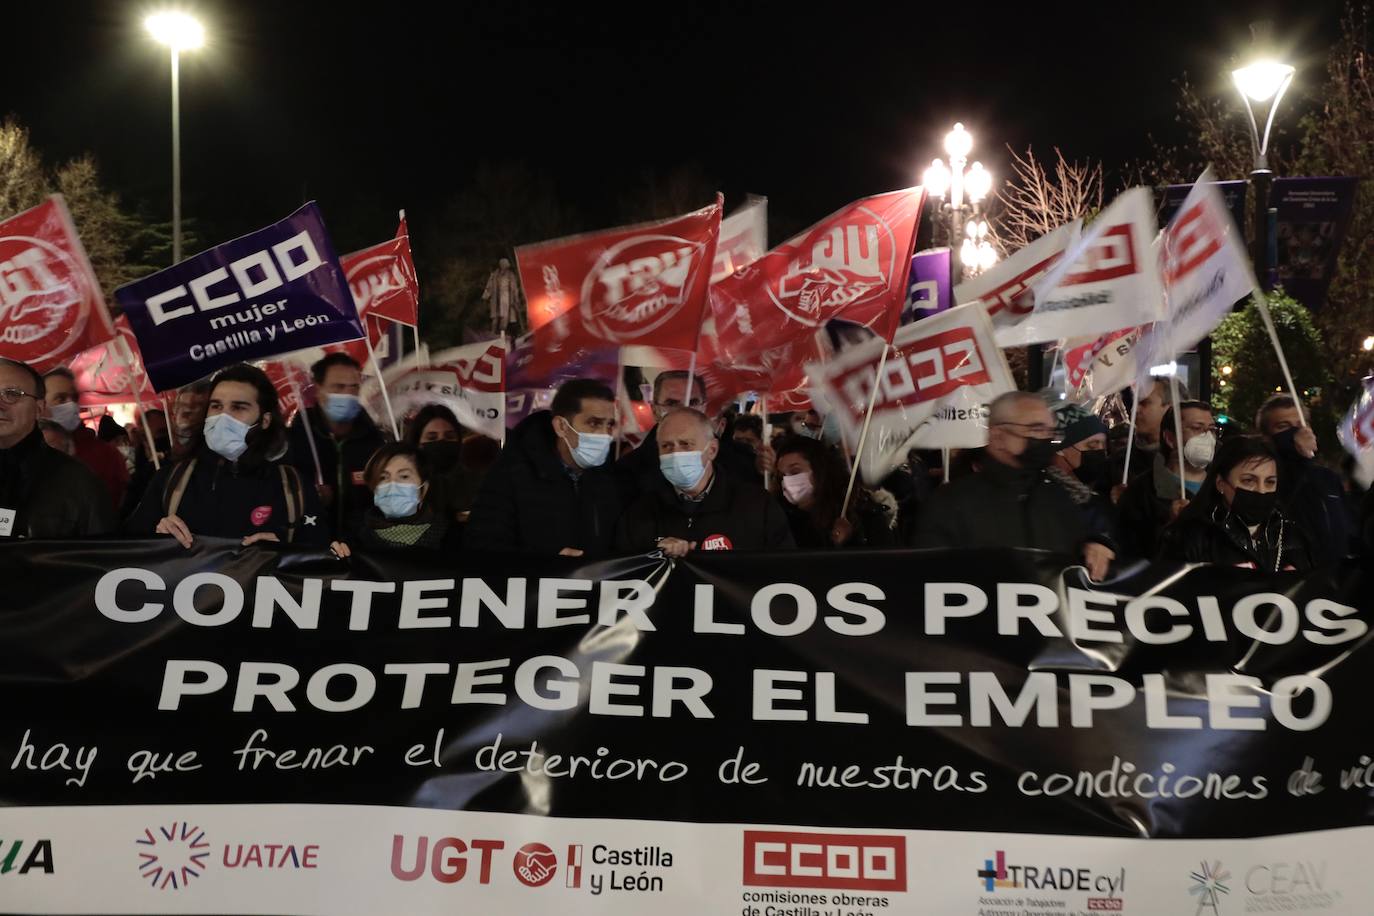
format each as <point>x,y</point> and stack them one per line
<point>998,874</point>
<point>639,284</point>
<point>15,860</point>
<point>535,864</point>
<point>171,856</point>
<point>1209,886</point>
<point>824,860</point>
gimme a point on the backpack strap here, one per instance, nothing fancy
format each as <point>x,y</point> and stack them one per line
<point>177,482</point>
<point>294,496</point>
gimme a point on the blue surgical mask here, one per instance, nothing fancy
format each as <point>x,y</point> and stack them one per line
<point>683,470</point>
<point>397,500</point>
<point>341,408</point>
<point>591,449</point>
<point>226,436</point>
<point>1192,487</point>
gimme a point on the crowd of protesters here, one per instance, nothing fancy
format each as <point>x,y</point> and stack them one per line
<point>1053,476</point>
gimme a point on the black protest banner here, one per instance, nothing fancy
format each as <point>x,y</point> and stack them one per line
<point>907,691</point>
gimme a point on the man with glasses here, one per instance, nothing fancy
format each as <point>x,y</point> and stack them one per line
<point>44,493</point>
<point>1011,501</point>
<point>1154,500</point>
<point>638,473</point>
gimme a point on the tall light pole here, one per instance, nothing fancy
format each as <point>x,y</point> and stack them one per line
<point>1262,84</point>
<point>970,249</point>
<point>179,32</point>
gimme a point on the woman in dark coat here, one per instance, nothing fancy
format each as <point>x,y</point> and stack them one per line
<point>404,514</point>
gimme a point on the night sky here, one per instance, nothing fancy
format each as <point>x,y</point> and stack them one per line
<point>371,107</point>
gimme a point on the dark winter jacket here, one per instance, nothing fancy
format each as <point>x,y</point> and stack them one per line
<point>531,501</point>
<point>1145,509</point>
<point>873,521</point>
<point>225,500</point>
<point>1002,506</point>
<point>1313,497</point>
<point>52,494</point>
<point>426,530</point>
<point>1221,538</point>
<point>731,515</point>
<point>342,462</point>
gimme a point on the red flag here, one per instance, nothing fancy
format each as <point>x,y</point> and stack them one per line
<point>644,284</point>
<point>854,264</point>
<point>383,281</point>
<point>291,379</point>
<point>51,306</point>
<point>113,372</point>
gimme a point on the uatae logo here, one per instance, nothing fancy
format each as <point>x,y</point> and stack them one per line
<point>846,264</point>
<point>41,291</point>
<point>169,857</point>
<point>639,284</point>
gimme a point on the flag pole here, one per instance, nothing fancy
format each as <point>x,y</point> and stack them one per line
<point>945,456</point>
<point>1130,433</point>
<point>767,436</point>
<point>381,382</point>
<point>128,364</point>
<point>304,416</point>
<point>1260,301</point>
<point>1178,435</point>
<point>619,384</point>
<point>863,434</point>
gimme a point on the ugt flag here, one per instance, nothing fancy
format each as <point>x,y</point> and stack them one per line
<point>641,284</point>
<point>1206,271</point>
<point>113,372</point>
<point>1108,280</point>
<point>383,280</point>
<point>272,291</point>
<point>937,383</point>
<point>1007,288</point>
<point>852,264</point>
<point>51,307</point>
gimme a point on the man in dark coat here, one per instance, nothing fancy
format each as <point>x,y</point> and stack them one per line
<point>44,493</point>
<point>1310,493</point>
<point>550,492</point>
<point>1010,501</point>
<point>692,506</point>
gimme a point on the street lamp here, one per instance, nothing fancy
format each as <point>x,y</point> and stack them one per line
<point>179,32</point>
<point>966,189</point>
<point>1262,85</point>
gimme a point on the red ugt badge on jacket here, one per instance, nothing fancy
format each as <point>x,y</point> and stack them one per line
<point>717,542</point>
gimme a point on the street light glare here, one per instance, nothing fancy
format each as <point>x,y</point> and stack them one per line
<point>936,179</point>
<point>958,142</point>
<point>1263,79</point>
<point>176,30</point>
<point>978,182</point>
<point>1368,344</point>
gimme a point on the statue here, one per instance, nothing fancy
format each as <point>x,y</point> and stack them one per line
<point>503,297</point>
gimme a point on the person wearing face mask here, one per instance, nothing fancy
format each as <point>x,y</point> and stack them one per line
<point>550,491</point>
<point>1237,519</point>
<point>811,482</point>
<point>695,507</point>
<point>637,472</point>
<point>1310,493</point>
<point>1080,467</point>
<point>403,516</point>
<point>62,404</point>
<point>435,433</point>
<point>1152,501</point>
<point>1011,501</point>
<point>345,439</point>
<point>234,483</point>
<point>44,491</point>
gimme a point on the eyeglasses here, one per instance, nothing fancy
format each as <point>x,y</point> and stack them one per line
<point>12,395</point>
<point>1202,430</point>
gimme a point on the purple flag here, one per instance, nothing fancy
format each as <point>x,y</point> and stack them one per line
<point>929,291</point>
<point>269,292</point>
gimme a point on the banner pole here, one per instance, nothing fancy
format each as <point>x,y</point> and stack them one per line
<point>381,383</point>
<point>416,329</point>
<point>1268,319</point>
<point>1178,435</point>
<point>304,416</point>
<point>619,384</point>
<point>945,456</point>
<point>1130,434</point>
<point>863,434</point>
<point>768,437</point>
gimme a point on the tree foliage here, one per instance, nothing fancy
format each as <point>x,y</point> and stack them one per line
<point>1038,199</point>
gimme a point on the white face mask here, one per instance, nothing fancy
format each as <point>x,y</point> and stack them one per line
<point>67,416</point>
<point>226,436</point>
<point>797,488</point>
<point>591,449</point>
<point>683,470</point>
<point>1199,450</point>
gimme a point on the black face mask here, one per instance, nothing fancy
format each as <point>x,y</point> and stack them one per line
<point>1091,466</point>
<point>1285,445</point>
<point>442,454</point>
<point>1039,454</point>
<point>1253,507</point>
